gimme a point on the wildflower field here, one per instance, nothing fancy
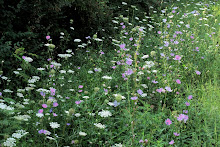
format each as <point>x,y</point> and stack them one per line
<point>157,86</point>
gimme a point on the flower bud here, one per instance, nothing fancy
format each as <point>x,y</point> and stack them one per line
<point>96,89</point>
<point>71,111</point>
<point>118,98</point>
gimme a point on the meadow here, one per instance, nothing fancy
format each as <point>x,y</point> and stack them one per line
<point>158,86</point>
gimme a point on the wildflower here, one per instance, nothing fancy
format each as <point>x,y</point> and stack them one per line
<point>190,97</point>
<point>54,125</point>
<point>52,90</point>
<point>187,103</point>
<point>177,57</point>
<point>78,102</point>
<point>122,46</point>
<point>40,111</point>
<point>176,134</point>
<point>105,113</point>
<point>198,72</point>
<point>116,103</point>
<point>168,89</point>
<point>99,125</point>
<point>55,104</point>
<point>131,39</point>
<point>140,91</point>
<point>178,81</point>
<point>77,40</point>
<point>129,61</point>
<point>134,98</point>
<point>141,141</point>
<point>107,77</point>
<point>47,37</point>
<point>171,142</point>
<point>82,133</point>
<point>129,72</point>
<point>44,105</point>
<point>10,142</point>
<point>182,117</point>
<point>168,122</point>
<point>40,115</point>
<point>185,111</point>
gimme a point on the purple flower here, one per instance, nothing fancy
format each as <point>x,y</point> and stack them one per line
<point>166,43</point>
<point>123,26</point>
<point>190,97</point>
<point>176,134</point>
<point>52,90</point>
<point>177,57</point>
<point>122,46</point>
<point>54,114</point>
<point>160,90</point>
<point>44,105</point>
<point>80,86</point>
<point>168,89</point>
<point>159,32</point>
<point>55,104</point>
<point>172,54</point>
<point>129,72</point>
<point>40,111</point>
<point>42,131</point>
<point>106,90</point>
<point>129,61</point>
<point>139,91</point>
<point>78,102</point>
<point>187,103</point>
<point>51,110</point>
<point>182,117</point>
<point>141,141</point>
<point>178,81</point>
<point>155,82</point>
<point>171,142</point>
<point>198,72</point>
<point>67,124</point>
<point>185,111</point>
<point>131,39</point>
<point>116,103</point>
<point>168,121</point>
<point>47,37</point>
<point>134,98</point>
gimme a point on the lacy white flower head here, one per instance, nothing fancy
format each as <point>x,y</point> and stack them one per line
<point>105,113</point>
<point>107,77</point>
<point>10,142</point>
<point>27,59</point>
<point>82,133</point>
<point>99,125</point>
<point>64,55</point>
<point>54,125</point>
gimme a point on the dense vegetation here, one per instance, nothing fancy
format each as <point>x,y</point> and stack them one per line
<point>140,74</point>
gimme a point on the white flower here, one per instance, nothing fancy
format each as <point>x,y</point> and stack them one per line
<point>22,117</point>
<point>77,114</point>
<point>10,142</point>
<point>16,72</point>
<point>90,72</point>
<point>40,115</point>
<point>16,135</point>
<point>70,71</point>
<point>105,113</point>
<point>61,33</point>
<point>124,3</point>
<point>82,133</point>
<point>77,40</point>
<point>145,56</point>
<point>7,90</point>
<point>85,97</point>
<point>64,55</point>
<point>62,71</point>
<point>20,95</point>
<point>99,125</point>
<point>107,77</point>
<point>54,125</point>
<point>41,68</point>
<point>28,59</point>
<point>118,145</point>
<point>69,51</point>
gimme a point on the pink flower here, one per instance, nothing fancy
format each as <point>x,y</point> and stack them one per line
<point>168,121</point>
<point>54,114</point>
<point>141,141</point>
<point>198,72</point>
<point>40,111</point>
<point>178,81</point>
<point>177,57</point>
<point>52,90</point>
<point>171,142</point>
<point>176,134</point>
<point>80,86</point>
<point>159,32</point>
<point>187,103</point>
<point>78,102</point>
<point>80,90</point>
<point>190,97</point>
<point>44,105</point>
<point>47,37</point>
<point>55,104</point>
<point>134,98</point>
